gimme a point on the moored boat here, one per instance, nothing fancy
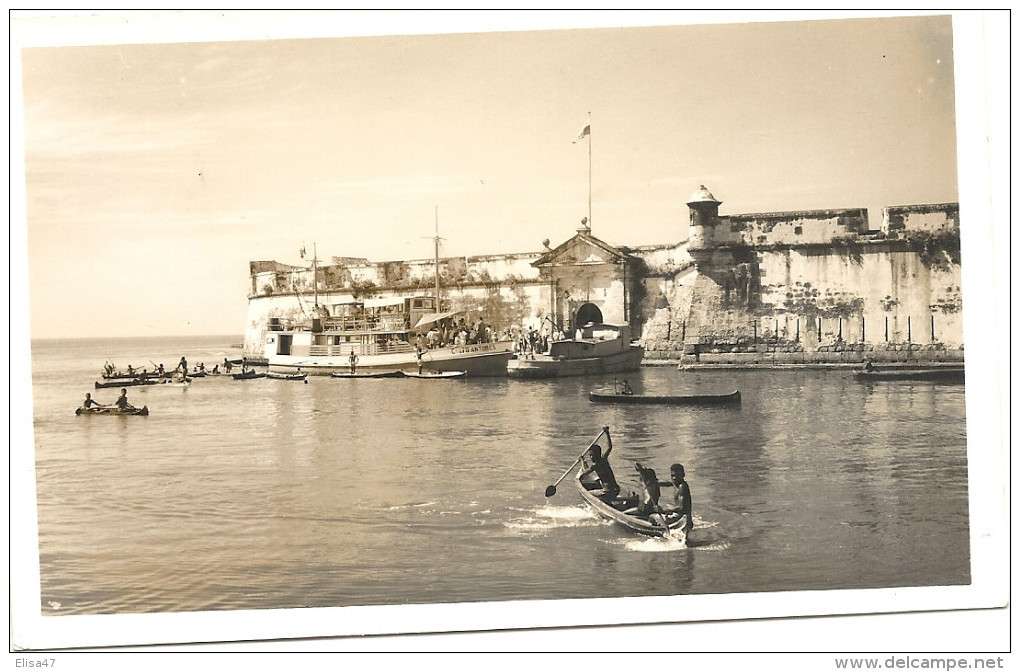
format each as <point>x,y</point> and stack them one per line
<point>249,375</point>
<point>286,376</point>
<point>111,410</point>
<point>379,374</point>
<point>670,400</point>
<point>602,348</point>
<point>383,335</point>
<point>431,375</point>
<point>946,374</point>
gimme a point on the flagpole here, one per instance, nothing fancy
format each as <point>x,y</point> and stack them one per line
<point>589,171</point>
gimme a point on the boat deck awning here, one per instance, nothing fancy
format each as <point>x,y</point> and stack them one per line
<point>429,318</point>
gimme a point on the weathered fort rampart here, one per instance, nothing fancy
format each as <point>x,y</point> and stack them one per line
<point>819,286</point>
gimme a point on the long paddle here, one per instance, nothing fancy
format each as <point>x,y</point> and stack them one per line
<point>551,490</point>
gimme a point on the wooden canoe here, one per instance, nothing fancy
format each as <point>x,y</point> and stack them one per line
<point>134,382</point>
<point>433,375</point>
<point>370,374</point>
<point>111,410</point>
<point>671,400</point>
<point>248,375</point>
<point>946,374</point>
<point>624,512</point>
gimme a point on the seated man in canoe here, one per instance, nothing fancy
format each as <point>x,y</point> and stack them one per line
<point>680,502</point>
<point>122,401</point>
<point>650,491</point>
<point>599,465</point>
<point>90,403</point>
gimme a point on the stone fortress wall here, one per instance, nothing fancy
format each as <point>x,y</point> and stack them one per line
<point>783,287</point>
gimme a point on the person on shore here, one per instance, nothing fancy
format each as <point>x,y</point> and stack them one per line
<point>680,502</point>
<point>353,362</point>
<point>90,403</point>
<point>600,466</point>
<point>122,401</point>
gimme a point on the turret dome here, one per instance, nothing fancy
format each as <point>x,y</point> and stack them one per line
<point>702,195</point>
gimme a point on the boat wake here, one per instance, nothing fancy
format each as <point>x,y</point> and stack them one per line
<point>553,517</point>
<point>666,544</point>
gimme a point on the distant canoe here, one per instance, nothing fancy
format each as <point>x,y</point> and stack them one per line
<point>286,376</point>
<point>248,375</point>
<point>945,374</point>
<point>133,382</point>
<point>671,400</point>
<point>434,375</point>
<point>111,410</point>
<point>370,374</point>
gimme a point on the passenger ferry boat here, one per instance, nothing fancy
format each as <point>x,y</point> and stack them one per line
<point>384,335</point>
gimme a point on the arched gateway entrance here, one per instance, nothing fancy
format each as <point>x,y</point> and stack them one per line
<point>589,313</point>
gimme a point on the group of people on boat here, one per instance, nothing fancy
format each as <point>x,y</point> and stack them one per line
<point>649,505</point>
<point>110,370</point>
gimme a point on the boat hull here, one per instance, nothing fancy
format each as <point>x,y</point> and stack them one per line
<point>674,522</point>
<point>675,400</point>
<point>438,375</point>
<point>111,410</point>
<point>938,374</point>
<point>379,374</point>
<point>482,359</point>
<point>545,366</point>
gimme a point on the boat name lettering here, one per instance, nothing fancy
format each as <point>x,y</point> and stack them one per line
<point>480,347</point>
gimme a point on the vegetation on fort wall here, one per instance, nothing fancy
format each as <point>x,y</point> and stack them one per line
<point>803,299</point>
<point>502,307</point>
<point>936,249</point>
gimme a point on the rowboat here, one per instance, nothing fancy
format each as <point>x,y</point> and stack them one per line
<point>670,400</point>
<point>429,375</point>
<point>286,376</point>
<point>946,374</point>
<point>370,374</point>
<point>625,511</point>
<point>111,410</point>
<point>248,375</point>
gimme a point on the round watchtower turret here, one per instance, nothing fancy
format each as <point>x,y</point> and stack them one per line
<point>704,218</point>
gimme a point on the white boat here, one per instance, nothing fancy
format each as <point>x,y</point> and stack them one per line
<point>384,335</point>
<point>601,348</point>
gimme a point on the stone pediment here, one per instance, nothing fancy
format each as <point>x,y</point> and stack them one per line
<point>581,250</point>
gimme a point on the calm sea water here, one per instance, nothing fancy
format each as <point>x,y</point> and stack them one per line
<point>274,494</point>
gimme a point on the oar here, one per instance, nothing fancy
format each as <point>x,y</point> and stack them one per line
<point>551,490</point>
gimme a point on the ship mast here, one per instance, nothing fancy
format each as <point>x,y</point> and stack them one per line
<point>437,260</point>
<point>315,274</point>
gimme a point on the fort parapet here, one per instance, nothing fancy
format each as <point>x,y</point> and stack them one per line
<point>812,286</point>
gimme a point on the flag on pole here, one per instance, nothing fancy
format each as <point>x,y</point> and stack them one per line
<point>584,131</point>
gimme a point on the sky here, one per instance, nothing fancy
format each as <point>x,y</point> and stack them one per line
<point>154,172</point>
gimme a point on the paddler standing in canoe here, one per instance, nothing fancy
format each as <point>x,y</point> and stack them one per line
<point>353,361</point>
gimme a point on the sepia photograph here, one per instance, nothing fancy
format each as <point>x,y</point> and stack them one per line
<point>334,324</point>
